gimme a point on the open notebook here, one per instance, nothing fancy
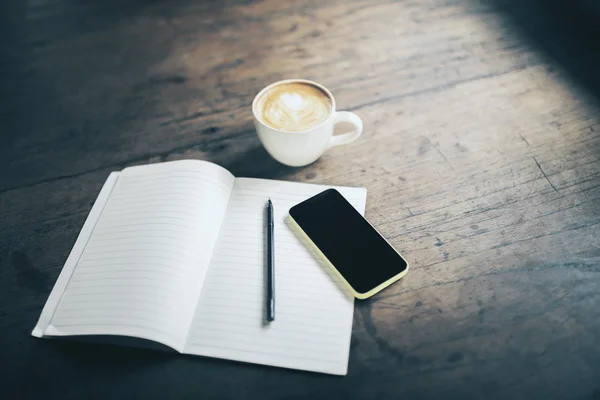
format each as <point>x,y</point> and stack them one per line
<point>174,253</point>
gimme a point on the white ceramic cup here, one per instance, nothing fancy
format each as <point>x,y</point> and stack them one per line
<point>301,148</point>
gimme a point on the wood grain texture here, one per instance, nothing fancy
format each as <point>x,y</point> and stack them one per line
<point>480,156</point>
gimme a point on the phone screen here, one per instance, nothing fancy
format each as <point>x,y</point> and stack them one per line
<point>356,250</point>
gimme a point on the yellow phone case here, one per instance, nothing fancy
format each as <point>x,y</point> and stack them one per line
<point>356,294</point>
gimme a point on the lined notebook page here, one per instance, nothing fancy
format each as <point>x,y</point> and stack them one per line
<point>313,320</point>
<point>142,270</point>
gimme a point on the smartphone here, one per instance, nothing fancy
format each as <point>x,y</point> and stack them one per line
<point>361,257</point>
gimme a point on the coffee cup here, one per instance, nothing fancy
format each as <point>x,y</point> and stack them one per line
<point>295,120</point>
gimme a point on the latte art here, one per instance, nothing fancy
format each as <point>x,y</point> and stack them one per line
<point>294,107</point>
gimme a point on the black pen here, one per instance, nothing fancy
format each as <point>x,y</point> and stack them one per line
<point>270,263</point>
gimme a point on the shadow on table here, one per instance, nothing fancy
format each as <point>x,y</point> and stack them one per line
<point>257,163</point>
<point>105,357</point>
<point>567,31</point>
<point>113,351</point>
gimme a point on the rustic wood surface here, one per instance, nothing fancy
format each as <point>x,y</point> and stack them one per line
<point>480,155</point>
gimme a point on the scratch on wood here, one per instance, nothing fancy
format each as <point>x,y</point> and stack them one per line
<point>436,149</point>
<point>443,156</point>
<point>190,117</point>
<point>525,140</point>
<point>545,176</point>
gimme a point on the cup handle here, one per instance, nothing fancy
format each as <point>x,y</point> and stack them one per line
<point>346,116</point>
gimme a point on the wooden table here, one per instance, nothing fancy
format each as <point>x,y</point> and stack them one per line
<point>480,155</point>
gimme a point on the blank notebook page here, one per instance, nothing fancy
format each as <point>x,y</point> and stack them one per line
<point>143,267</point>
<point>313,314</point>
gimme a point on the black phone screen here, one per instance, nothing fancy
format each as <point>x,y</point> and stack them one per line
<point>359,253</point>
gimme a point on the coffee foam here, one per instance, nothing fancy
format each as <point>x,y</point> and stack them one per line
<point>294,106</point>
